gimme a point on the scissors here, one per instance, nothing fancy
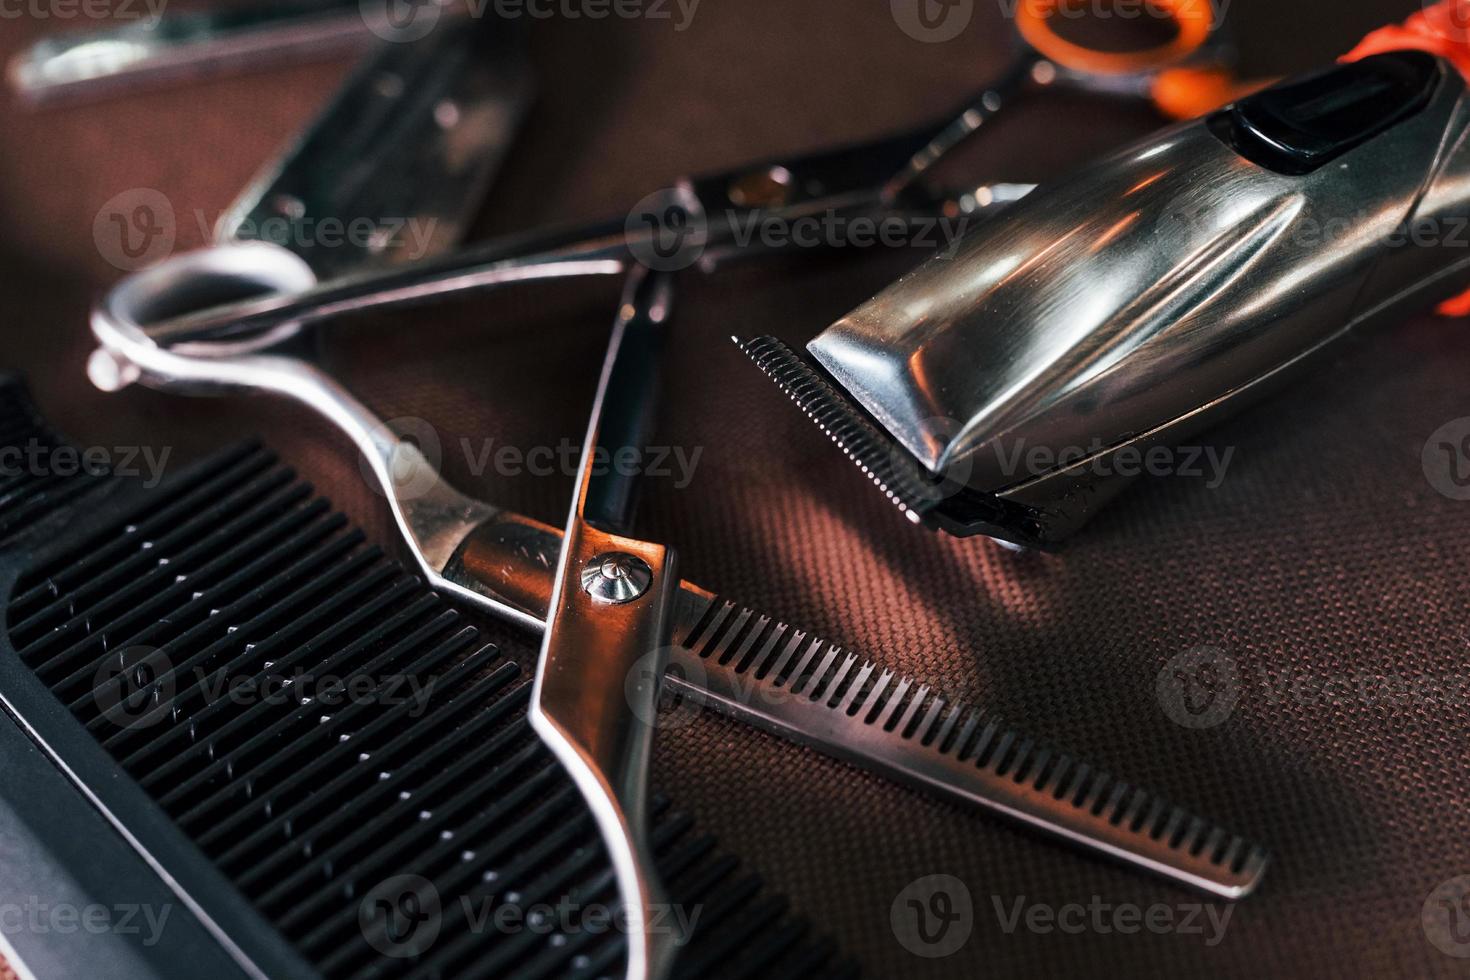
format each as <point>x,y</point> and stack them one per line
<point>707,221</point>
<point>612,612</point>
<point>160,46</point>
<point>610,606</point>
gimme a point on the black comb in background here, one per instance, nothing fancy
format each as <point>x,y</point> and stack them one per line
<point>28,494</point>
<point>334,826</point>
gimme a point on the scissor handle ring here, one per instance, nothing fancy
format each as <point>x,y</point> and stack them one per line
<point>1193,20</point>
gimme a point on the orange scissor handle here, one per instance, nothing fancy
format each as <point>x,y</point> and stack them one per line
<point>1442,29</point>
<point>1184,93</point>
<point>1192,19</point>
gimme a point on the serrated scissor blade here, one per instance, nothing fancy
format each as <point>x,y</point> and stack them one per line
<point>781,679</point>
<point>788,682</point>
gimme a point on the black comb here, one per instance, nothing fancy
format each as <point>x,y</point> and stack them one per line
<point>315,835</point>
<point>30,492</point>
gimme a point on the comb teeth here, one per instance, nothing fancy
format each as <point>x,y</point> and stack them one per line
<point>26,495</point>
<point>234,571</point>
<point>891,469</point>
<point>949,747</point>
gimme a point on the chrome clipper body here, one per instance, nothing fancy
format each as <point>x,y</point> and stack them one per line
<point>1148,296</point>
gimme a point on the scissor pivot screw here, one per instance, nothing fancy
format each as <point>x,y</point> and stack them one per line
<point>616,577</point>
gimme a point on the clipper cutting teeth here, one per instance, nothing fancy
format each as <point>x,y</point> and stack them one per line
<point>921,496</point>
<point>890,469</point>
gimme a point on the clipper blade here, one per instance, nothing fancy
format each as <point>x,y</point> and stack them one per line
<point>923,497</point>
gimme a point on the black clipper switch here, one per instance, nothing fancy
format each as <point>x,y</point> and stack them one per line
<point>1297,127</point>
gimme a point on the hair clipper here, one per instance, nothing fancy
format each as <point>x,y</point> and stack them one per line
<point>999,389</point>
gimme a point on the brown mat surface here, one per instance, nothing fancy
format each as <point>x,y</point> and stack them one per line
<point>1325,553</point>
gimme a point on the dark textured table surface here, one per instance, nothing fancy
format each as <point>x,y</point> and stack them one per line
<point>1324,554</point>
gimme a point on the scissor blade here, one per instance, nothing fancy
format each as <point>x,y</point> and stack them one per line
<point>394,169</point>
<point>603,249</point>
<point>751,667</point>
<point>84,64</point>
<point>786,681</point>
<point>595,699</point>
